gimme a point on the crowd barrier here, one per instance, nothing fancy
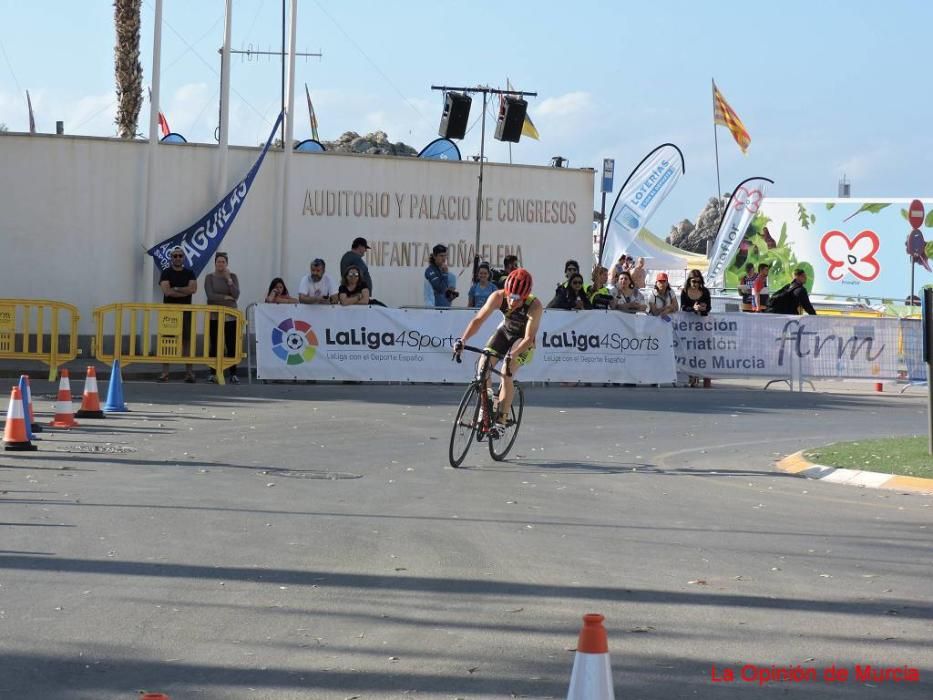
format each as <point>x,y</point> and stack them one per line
<point>33,330</point>
<point>370,344</point>
<point>166,334</point>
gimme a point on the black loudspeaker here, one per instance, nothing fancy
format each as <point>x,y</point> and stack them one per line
<point>455,116</point>
<point>511,119</point>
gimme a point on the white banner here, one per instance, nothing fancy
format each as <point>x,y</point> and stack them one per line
<point>740,210</point>
<point>652,181</point>
<point>414,345</point>
<point>771,345</point>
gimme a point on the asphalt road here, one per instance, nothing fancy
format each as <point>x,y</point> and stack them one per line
<point>297,541</point>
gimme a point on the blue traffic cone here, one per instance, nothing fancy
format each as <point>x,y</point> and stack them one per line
<point>115,391</point>
<point>31,426</point>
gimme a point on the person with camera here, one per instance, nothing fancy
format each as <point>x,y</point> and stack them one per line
<point>438,277</point>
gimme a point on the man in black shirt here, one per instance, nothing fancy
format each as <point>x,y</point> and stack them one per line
<point>354,257</point>
<point>793,297</point>
<point>178,285</point>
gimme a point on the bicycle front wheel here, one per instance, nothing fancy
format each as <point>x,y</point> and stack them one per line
<point>465,425</point>
<point>499,446</point>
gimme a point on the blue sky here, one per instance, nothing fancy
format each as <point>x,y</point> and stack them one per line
<point>824,88</point>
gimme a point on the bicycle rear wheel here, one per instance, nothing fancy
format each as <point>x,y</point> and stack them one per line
<point>499,446</point>
<point>465,425</point>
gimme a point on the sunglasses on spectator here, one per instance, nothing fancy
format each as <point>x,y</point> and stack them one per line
<point>353,274</point>
<point>178,255</point>
<point>577,284</point>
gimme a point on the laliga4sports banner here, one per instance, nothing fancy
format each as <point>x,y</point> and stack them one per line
<point>203,237</point>
<point>643,191</point>
<point>738,214</point>
<point>414,345</point>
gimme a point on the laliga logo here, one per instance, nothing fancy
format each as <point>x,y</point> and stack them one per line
<point>750,200</point>
<point>294,342</point>
<point>856,256</point>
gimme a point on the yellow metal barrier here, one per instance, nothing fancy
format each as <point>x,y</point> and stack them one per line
<point>24,325</point>
<point>181,334</point>
<point>852,313</point>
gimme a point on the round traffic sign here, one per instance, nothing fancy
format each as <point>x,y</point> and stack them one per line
<point>915,213</point>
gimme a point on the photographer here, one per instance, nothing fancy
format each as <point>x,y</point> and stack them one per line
<point>438,277</point>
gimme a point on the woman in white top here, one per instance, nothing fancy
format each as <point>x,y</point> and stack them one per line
<point>629,299</point>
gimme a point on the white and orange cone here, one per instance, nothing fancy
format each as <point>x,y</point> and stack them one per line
<point>90,402</point>
<point>591,678</point>
<point>14,432</point>
<point>64,412</point>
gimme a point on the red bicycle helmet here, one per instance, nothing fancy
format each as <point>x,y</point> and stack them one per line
<point>519,283</point>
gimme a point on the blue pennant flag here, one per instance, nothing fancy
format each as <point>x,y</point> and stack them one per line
<point>203,237</point>
<point>440,149</point>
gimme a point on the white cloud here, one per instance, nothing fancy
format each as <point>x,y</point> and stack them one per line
<point>568,105</point>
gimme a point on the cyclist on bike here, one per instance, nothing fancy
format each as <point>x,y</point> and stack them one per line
<point>514,339</point>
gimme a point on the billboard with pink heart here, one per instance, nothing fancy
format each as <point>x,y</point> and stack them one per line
<point>849,248</point>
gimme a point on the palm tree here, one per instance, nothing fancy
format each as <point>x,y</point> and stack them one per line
<point>129,71</point>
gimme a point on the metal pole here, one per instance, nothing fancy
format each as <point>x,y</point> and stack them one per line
<point>224,102</point>
<point>148,290</point>
<point>716,142</point>
<point>479,195</point>
<point>913,266</point>
<point>289,137</point>
<point>282,131</point>
<point>602,229</point>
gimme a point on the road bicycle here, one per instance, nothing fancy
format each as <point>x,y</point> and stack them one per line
<point>476,415</point>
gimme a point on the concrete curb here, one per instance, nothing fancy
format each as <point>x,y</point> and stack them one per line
<point>799,465</point>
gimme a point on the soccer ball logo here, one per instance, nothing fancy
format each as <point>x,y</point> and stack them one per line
<point>294,342</point>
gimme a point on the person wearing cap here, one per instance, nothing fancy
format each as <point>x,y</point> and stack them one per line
<point>438,276</point>
<point>662,300</point>
<point>354,257</point>
<point>317,287</point>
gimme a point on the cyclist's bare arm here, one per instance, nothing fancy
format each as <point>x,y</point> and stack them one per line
<point>492,304</point>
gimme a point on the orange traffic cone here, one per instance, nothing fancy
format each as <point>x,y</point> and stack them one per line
<point>90,403</point>
<point>591,678</point>
<point>14,433</point>
<point>64,413</point>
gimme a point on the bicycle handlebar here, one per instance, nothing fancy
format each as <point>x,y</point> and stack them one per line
<point>487,353</point>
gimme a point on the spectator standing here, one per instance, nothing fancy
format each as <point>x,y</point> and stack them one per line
<point>354,257</point>
<point>317,287</point>
<point>572,297</point>
<point>629,298</point>
<point>760,291</point>
<point>662,300</point>
<point>222,289</point>
<point>695,298</point>
<point>510,262</point>
<point>793,297</point>
<point>353,290</point>
<point>278,293</point>
<point>745,287</point>
<point>571,267</point>
<point>482,288</point>
<point>438,276</point>
<point>179,284</point>
<point>639,274</point>
<point>597,292</point>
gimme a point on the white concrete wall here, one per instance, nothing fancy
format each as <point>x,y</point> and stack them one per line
<point>71,211</point>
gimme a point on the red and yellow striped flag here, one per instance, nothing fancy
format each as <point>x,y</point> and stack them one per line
<point>724,114</point>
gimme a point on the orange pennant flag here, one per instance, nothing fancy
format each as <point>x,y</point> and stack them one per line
<point>725,116</point>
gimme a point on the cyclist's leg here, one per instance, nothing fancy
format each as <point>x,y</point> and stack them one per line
<point>499,345</point>
<point>507,387</point>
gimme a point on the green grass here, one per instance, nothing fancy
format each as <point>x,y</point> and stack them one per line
<point>906,456</point>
